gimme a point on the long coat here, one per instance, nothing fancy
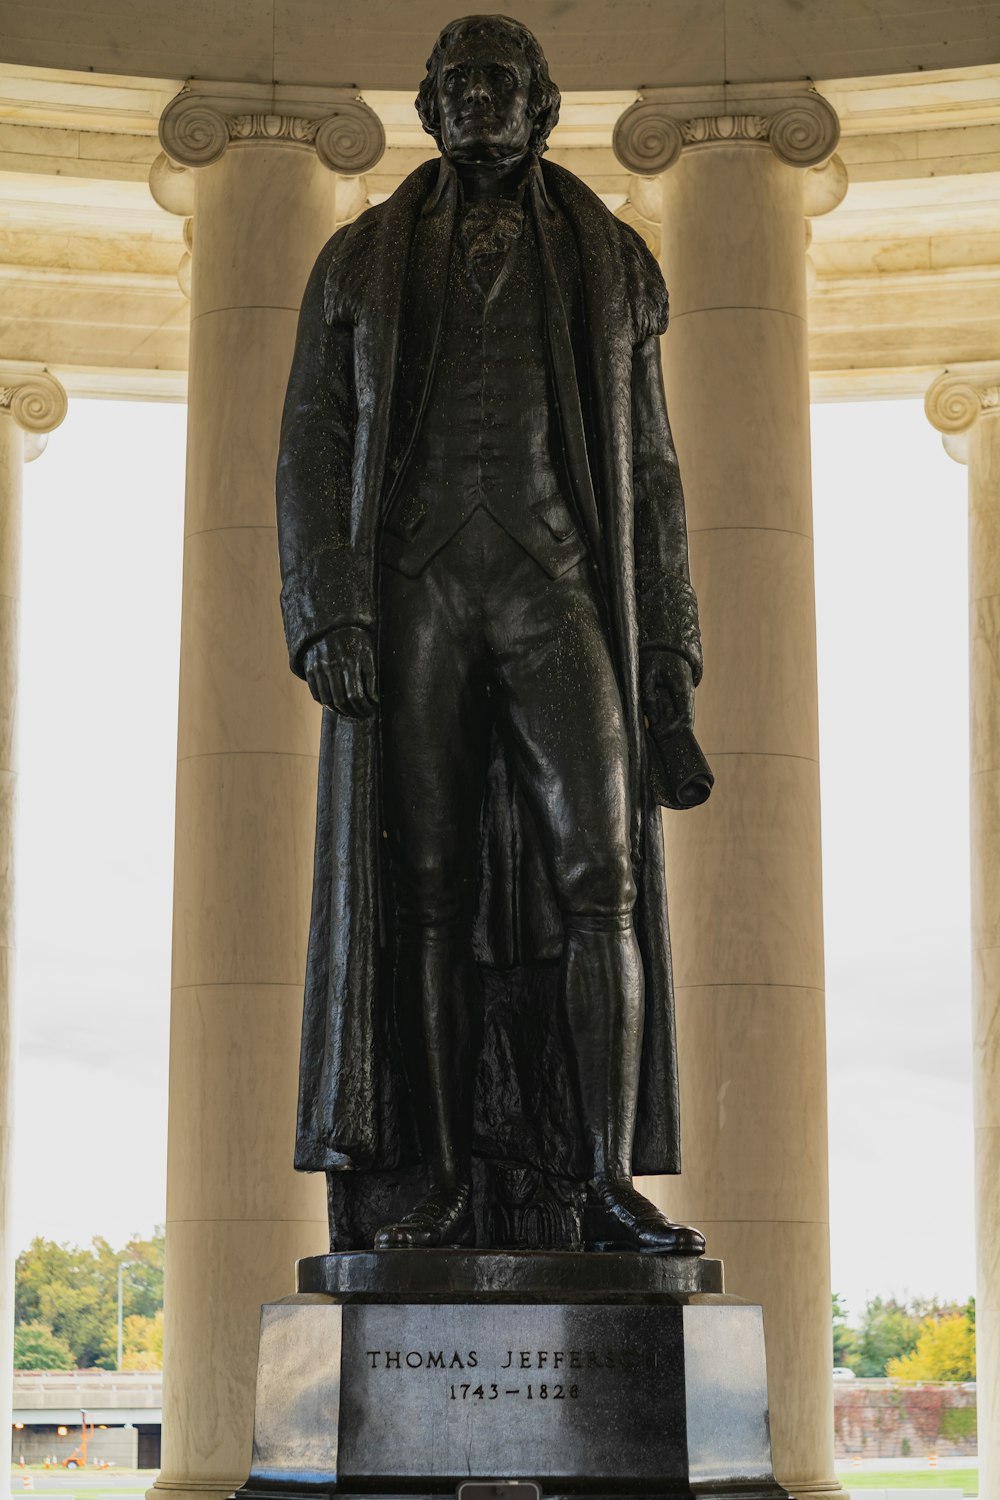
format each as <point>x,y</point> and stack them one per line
<point>341,426</point>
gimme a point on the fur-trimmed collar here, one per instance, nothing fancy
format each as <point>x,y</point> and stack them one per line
<point>620,271</point>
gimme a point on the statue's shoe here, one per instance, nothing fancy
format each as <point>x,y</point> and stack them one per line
<point>619,1218</point>
<point>442,1218</point>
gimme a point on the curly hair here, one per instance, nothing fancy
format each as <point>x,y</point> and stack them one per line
<point>543,103</point>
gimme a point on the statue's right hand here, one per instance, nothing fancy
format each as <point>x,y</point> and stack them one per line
<point>340,671</point>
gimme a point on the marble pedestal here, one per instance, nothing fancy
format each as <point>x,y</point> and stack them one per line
<point>517,1375</point>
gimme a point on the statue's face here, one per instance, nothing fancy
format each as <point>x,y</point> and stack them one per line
<point>483,93</point>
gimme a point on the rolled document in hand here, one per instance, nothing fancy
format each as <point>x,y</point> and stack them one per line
<point>679,773</point>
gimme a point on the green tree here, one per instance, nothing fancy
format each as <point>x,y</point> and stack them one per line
<point>74,1292</point>
<point>888,1331</point>
<point>37,1348</point>
<point>845,1340</point>
<point>142,1280</point>
<point>945,1350</point>
<point>69,1290</point>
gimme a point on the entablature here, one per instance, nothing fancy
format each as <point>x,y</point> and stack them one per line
<point>905,271</point>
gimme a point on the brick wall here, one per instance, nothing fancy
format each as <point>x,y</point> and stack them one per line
<point>884,1419</point>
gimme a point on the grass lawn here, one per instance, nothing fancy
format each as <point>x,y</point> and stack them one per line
<point>918,1479</point>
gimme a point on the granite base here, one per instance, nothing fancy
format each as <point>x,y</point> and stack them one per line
<point>411,1373</point>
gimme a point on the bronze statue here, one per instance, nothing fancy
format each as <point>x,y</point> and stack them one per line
<point>485,583</point>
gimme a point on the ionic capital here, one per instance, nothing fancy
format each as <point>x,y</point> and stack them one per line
<point>957,400</point>
<point>799,125</point>
<point>205,119</point>
<point>33,398</point>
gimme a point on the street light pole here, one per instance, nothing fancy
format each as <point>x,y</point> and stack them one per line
<point>121,1267</point>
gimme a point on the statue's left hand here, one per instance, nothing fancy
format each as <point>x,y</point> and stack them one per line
<point>666,686</point>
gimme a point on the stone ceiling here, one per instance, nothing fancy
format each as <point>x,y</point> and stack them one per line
<point>591,44</point>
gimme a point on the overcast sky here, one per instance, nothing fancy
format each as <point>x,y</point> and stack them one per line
<point>98,710</point>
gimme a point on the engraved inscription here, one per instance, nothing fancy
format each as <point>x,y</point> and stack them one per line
<point>551,1361</point>
<point>465,1390</point>
<point>418,1359</point>
<point>520,1359</point>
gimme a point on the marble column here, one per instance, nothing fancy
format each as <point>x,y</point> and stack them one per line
<point>32,403</point>
<point>744,871</point>
<point>965,407</point>
<point>238,1216</point>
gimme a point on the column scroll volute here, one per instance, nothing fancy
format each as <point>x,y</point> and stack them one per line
<point>800,126</point>
<point>35,399</point>
<point>204,120</point>
<point>646,140</point>
<point>957,400</point>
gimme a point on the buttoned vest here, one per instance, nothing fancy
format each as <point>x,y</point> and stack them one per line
<point>489,432</point>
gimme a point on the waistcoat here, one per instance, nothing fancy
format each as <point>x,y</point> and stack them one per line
<point>489,434</point>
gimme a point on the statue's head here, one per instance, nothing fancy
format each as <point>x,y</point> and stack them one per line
<point>487,95</point>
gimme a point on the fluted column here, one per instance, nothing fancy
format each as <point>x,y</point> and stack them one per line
<point>32,403</point>
<point>744,871</point>
<point>262,197</point>
<point>965,407</point>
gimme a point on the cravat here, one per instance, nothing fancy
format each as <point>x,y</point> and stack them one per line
<point>486,233</point>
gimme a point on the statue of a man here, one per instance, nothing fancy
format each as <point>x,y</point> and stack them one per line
<point>485,571</point>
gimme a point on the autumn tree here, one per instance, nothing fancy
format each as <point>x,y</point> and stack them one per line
<point>143,1342</point>
<point>945,1350</point>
